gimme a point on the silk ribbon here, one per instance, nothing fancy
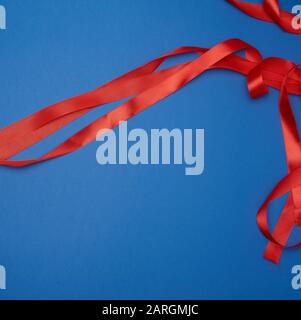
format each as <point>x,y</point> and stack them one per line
<point>146,85</point>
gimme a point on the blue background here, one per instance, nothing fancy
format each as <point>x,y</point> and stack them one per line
<point>70,228</point>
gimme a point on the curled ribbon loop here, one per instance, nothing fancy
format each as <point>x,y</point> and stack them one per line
<point>268,11</point>
<point>291,214</point>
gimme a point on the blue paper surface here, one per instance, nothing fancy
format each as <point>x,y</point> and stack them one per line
<point>72,229</point>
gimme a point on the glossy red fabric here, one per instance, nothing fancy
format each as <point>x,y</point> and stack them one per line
<point>144,86</point>
<point>268,11</point>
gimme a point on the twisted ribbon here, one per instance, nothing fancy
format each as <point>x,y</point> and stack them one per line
<point>145,85</point>
<point>268,11</point>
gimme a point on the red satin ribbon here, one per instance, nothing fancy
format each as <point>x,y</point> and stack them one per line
<point>269,11</point>
<point>147,86</point>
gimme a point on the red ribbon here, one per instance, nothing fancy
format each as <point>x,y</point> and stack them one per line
<point>147,86</point>
<point>269,11</point>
